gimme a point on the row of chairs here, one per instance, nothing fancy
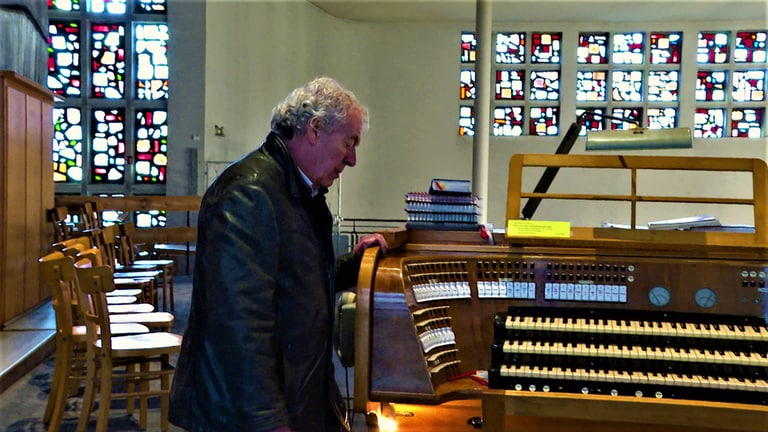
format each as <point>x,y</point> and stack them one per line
<point>109,336</point>
<point>117,241</point>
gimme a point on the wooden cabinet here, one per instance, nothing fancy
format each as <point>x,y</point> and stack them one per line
<point>26,190</point>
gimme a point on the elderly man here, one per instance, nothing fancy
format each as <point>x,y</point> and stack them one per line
<point>257,352</point>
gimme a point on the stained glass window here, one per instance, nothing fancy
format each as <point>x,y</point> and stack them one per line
<point>663,85</point>
<point>151,6</point>
<point>627,85</point>
<point>593,48</point>
<point>712,48</point>
<point>151,61</point>
<point>665,48</point>
<point>468,48</point>
<point>64,5</point>
<point>151,146</point>
<point>67,145</point>
<point>628,48</point>
<point>544,121</point>
<point>591,86</point>
<point>508,121</point>
<point>510,84</point>
<point>150,219</point>
<point>108,60</point>
<point>545,47</point>
<point>108,146</point>
<point>632,115</point>
<point>750,47</point>
<point>545,85</point>
<point>467,84</point>
<point>709,123</point>
<point>747,122</point>
<point>64,71</point>
<point>510,48</point>
<point>710,85</point>
<point>466,121</point>
<point>661,118</point>
<point>592,120</point>
<point>114,7</point>
<point>748,85</point>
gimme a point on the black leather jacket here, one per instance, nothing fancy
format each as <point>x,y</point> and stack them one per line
<point>257,350</point>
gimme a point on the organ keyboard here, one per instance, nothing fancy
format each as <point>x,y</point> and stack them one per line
<point>661,328</point>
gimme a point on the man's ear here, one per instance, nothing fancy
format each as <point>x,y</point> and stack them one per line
<point>313,126</point>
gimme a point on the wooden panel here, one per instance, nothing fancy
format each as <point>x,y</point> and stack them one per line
<point>26,190</point>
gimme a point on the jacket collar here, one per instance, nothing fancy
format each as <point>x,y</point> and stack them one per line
<point>275,147</point>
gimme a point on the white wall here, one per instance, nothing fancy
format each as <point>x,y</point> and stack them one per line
<point>407,74</point>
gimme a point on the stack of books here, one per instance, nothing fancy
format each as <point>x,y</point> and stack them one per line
<point>448,205</point>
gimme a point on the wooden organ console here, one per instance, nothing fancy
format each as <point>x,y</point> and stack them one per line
<point>662,329</point>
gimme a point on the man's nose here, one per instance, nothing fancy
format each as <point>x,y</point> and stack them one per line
<point>351,159</point>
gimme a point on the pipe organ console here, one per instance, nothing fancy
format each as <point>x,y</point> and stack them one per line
<point>644,327</point>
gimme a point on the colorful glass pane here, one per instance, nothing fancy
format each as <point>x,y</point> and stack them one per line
<point>628,48</point>
<point>750,47</point>
<point>544,121</point>
<point>152,6</point>
<point>510,84</point>
<point>151,146</point>
<point>108,146</point>
<point>113,7</point>
<point>593,48</point>
<point>151,48</point>
<point>627,85</point>
<point>64,5</point>
<point>467,84</point>
<point>592,120</point>
<point>591,86</point>
<point>710,85</point>
<point>508,121</point>
<point>665,48</point>
<point>747,122</point>
<point>64,71</point>
<point>712,48</point>
<point>709,123</point>
<point>510,48</point>
<point>633,117</point>
<point>545,85</point>
<point>468,48</point>
<point>466,120</point>
<point>108,60</point>
<point>748,85</point>
<point>661,118</point>
<point>545,47</point>
<point>67,145</point>
<point>663,85</point>
<point>150,218</point>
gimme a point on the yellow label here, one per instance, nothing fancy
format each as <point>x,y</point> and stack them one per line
<point>534,228</point>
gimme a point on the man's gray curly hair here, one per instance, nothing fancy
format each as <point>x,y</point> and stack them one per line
<point>322,98</point>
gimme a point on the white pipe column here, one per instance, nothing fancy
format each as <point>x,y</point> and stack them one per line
<point>480,146</point>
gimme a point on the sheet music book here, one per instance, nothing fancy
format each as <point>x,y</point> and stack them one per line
<point>684,223</point>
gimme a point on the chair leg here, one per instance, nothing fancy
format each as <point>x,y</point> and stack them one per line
<point>143,399</point>
<point>165,386</point>
<point>130,387</point>
<point>57,399</point>
<point>105,397</point>
<point>90,392</point>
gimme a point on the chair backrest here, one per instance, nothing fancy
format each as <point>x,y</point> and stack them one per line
<point>126,248</point>
<point>72,245</point>
<point>93,282</point>
<point>57,217</point>
<point>94,255</point>
<point>58,273</point>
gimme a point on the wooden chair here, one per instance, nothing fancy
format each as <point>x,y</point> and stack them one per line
<point>149,352</point>
<point>105,239</point>
<point>128,257</point>
<point>57,217</point>
<point>57,271</point>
